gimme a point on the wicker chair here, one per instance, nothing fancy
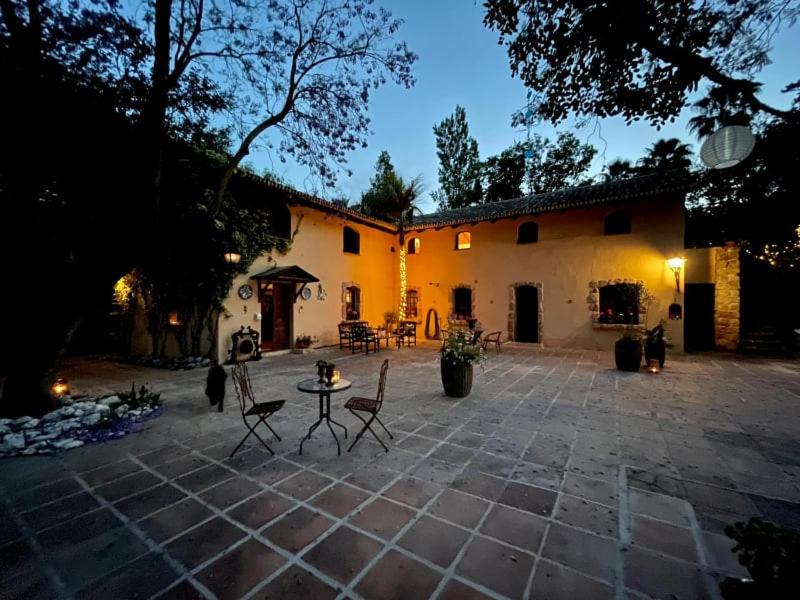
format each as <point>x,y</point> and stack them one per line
<point>251,408</point>
<point>372,407</point>
<point>493,338</point>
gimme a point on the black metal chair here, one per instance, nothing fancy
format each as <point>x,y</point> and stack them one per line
<point>363,337</point>
<point>345,335</point>
<point>407,333</point>
<point>371,406</point>
<point>251,408</point>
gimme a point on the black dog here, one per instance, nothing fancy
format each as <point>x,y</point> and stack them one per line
<point>215,386</point>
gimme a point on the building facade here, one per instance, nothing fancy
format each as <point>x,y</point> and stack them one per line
<point>575,268</point>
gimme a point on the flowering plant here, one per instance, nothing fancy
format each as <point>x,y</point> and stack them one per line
<point>457,349</point>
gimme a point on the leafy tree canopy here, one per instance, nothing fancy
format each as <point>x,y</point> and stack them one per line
<point>640,59</point>
<point>373,201</point>
<point>504,174</point>
<point>459,163</point>
<point>558,165</point>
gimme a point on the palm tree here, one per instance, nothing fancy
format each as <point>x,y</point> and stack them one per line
<point>666,155</point>
<point>399,201</point>
<point>619,169</point>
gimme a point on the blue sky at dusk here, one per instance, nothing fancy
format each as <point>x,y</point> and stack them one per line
<point>460,62</point>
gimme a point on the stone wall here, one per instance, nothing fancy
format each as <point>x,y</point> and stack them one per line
<point>727,298</point>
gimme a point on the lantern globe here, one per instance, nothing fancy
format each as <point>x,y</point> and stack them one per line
<point>232,258</point>
<point>727,147</point>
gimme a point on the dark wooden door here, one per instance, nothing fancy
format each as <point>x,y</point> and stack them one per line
<point>698,319</point>
<point>527,307</point>
<point>267,319</point>
<point>282,297</point>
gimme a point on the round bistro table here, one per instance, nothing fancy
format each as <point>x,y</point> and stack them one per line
<point>312,386</point>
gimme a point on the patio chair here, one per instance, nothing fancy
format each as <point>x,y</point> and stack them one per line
<point>372,407</point>
<point>493,338</point>
<point>363,337</point>
<point>475,337</point>
<point>251,408</point>
<point>407,333</point>
<point>345,335</point>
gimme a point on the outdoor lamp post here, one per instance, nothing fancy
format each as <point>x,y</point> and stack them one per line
<point>676,265</point>
<point>232,258</point>
<point>60,387</point>
<point>727,147</point>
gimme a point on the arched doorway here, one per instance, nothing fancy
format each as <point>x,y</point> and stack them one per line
<point>526,326</point>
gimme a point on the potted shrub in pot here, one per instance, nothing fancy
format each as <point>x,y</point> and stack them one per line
<point>628,352</point>
<point>457,359</point>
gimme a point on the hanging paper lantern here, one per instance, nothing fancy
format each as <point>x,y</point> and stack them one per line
<point>727,147</point>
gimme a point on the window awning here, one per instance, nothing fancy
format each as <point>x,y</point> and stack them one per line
<point>292,274</point>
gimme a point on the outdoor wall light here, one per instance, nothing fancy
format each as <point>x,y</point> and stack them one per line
<point>676,265</point>
<point>232,258</point>
<point>173,318</point>
<point>60,387</point>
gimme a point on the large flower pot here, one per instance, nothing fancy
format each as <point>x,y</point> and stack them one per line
<point>457,379</point>
<point>628,354</point>
<point>655,350</point>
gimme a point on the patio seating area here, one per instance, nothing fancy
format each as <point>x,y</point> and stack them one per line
<point>558,477</point>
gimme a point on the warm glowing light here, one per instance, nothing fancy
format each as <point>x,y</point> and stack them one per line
<point>676,263</point>
<point>123,291</point>
<point>60,387</point>
<point>173,318</point>
<point>464,240</point>
<point>401,313</point>
<point>337,375</point>
<point>232,258</point>
<point>652,365</point>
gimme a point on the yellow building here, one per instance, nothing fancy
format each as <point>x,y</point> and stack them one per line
<point>572,268</point>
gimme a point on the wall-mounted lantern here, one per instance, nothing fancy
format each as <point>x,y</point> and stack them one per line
<point>676,265</point>
<point>60,387</point>
<point>232,258</point>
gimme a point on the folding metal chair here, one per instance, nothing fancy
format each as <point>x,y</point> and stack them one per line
<point>371,406</point>
<point>261,410</point>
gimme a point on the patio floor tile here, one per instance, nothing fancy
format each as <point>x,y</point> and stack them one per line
<point>303,485</point>
<point>661,577</point>
<point>459,508</point>
<point>237,572</point>
<point>340,499</point>
<point>149,501</point>
<point>382,518</point>
<point>479,484</point>
<point>582,513</point>
<point>175,519</point>
<point>556,582</point>
<point>514,527</point>
<point>127,486</point>
<point>128,578</point>
<point>298,529</point>
<point>399,577</point>
<point>260,510</point>
<point>230,492</point>
<point>182,465</point>
<point>434,540</point>
<point>497,566</point>
<point>663,537</point>
<point>525,497</point>
<point>456,590</point>
<point>297,584</point>
<point>203,542</point>
<point>343,554</point>
<point>412,491</point>
<point>582,551</point>
<point>204,478</point>
<point>60,511</point>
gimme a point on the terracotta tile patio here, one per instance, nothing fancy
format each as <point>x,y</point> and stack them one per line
<point>559,477</point>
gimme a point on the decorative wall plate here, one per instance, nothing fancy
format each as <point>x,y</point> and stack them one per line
<point>245,292</point>
<point>305,294</point>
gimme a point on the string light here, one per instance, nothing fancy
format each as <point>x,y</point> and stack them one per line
<point>402,312</point>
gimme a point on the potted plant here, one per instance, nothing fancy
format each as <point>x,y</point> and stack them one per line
<point>302,343</point>
<point>655,345</point>
<point>628,352</point>
<point>457,358</point>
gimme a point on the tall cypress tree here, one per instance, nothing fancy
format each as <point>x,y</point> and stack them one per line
<point>459,165</point>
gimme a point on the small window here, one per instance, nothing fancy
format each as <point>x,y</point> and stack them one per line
<point>413,246</point>
<point>617,223</point>
<point>528,233</point>
<point>462,303</point>
<point>351,241</point>
<point>619,304</point>
<point>463,240</point>
<point>352,303</point>
<point>412,304</point>
<point>280,222</point>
